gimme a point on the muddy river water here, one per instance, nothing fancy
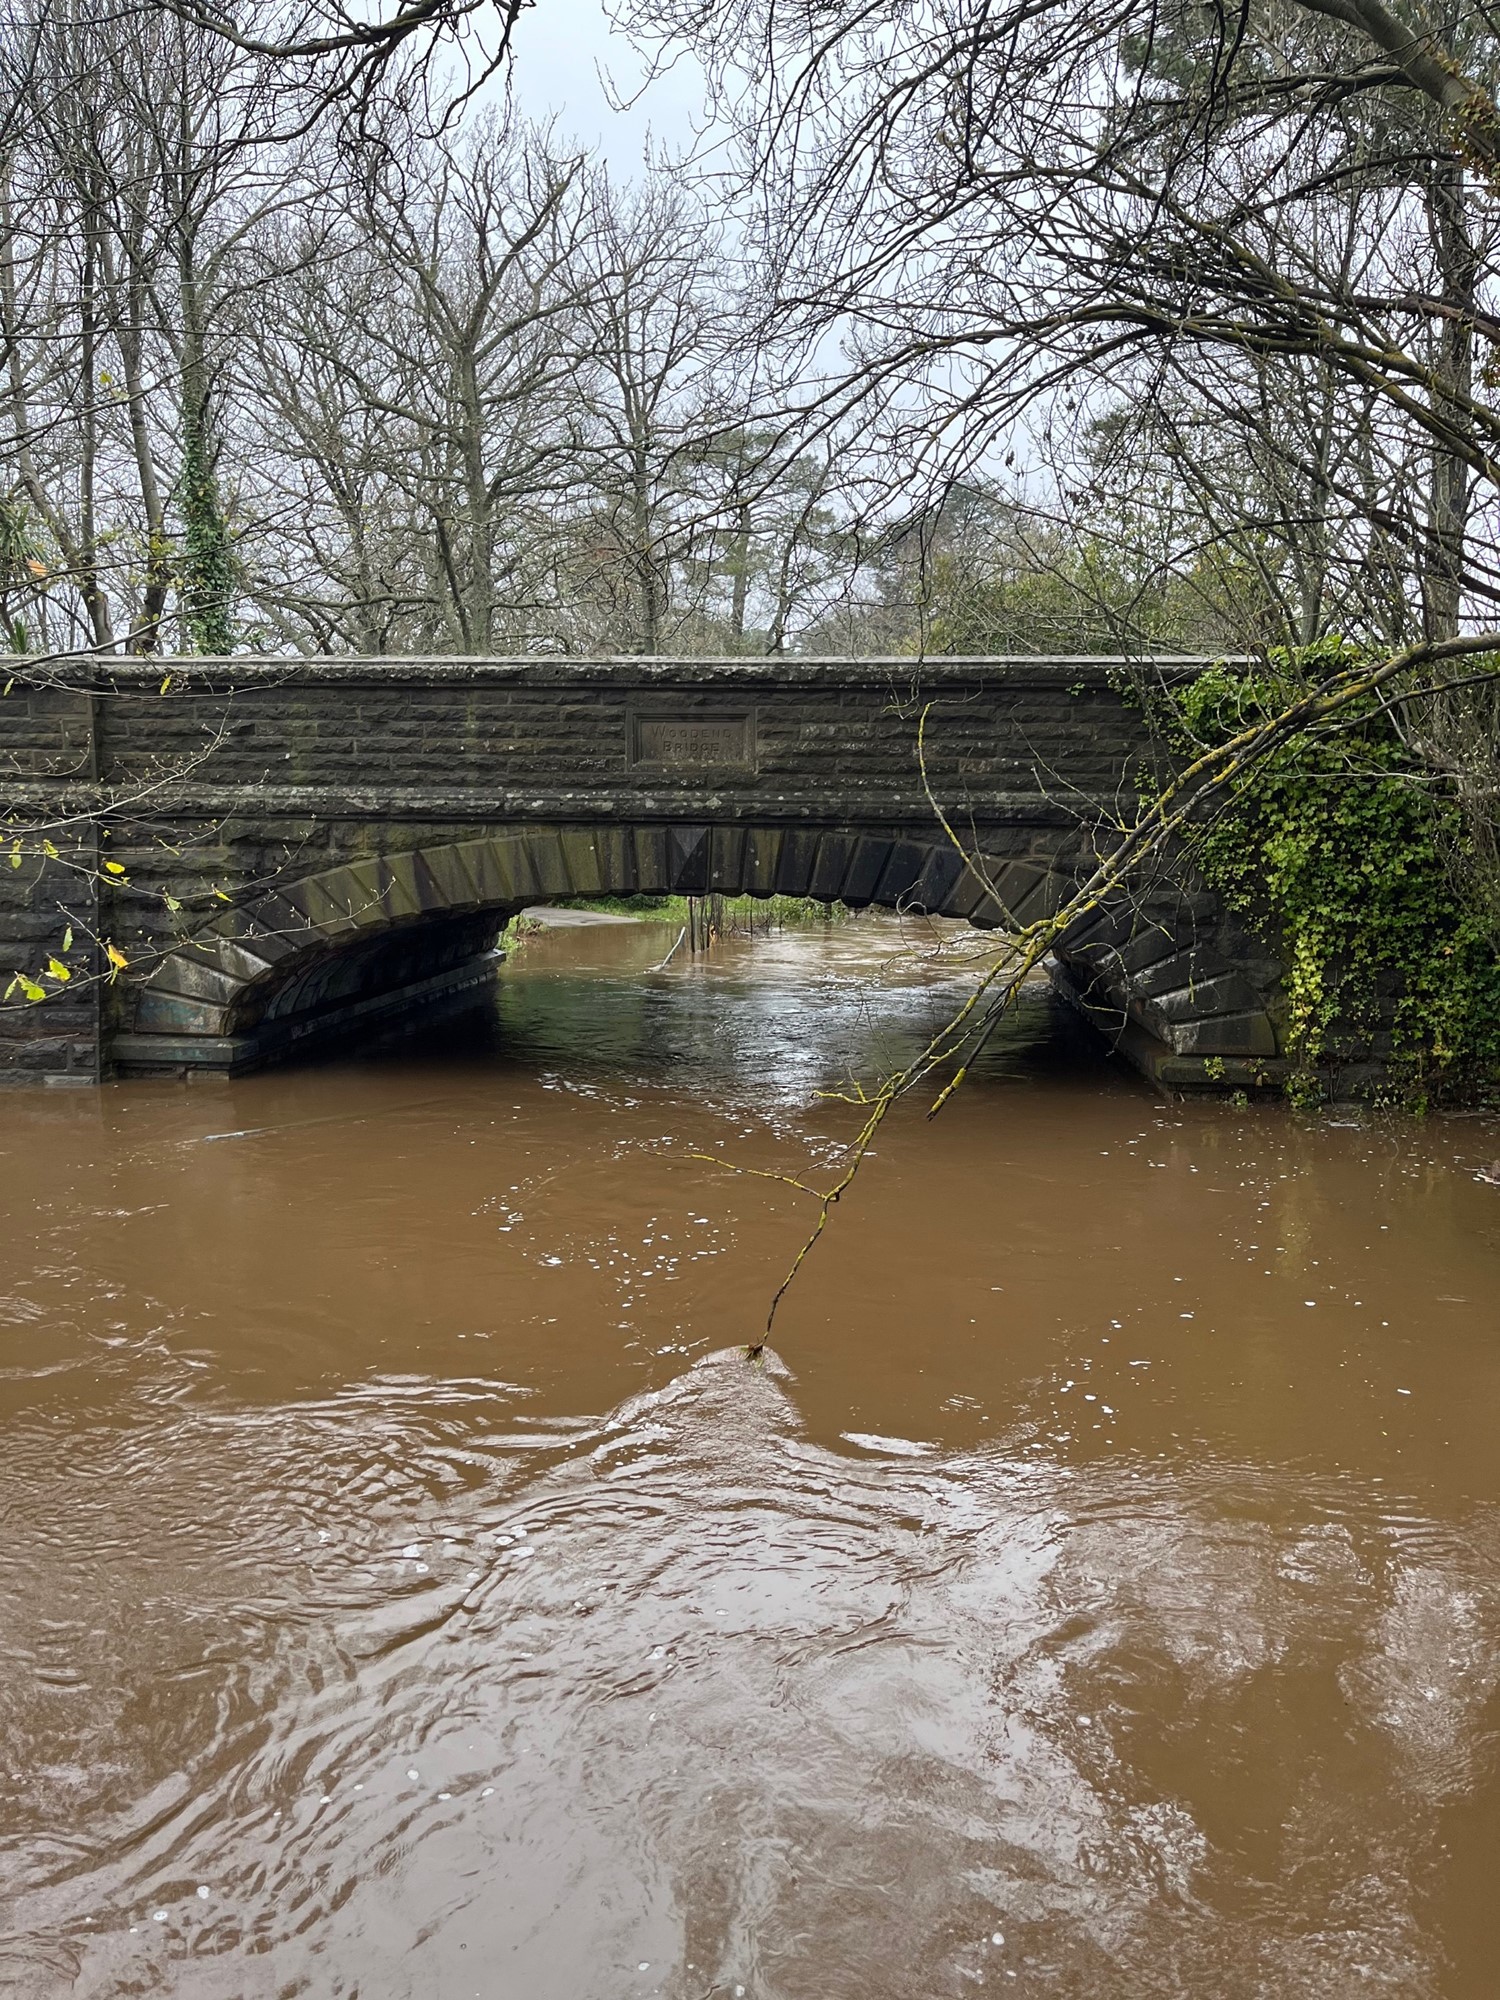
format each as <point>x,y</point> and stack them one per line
<point>407,1590</point>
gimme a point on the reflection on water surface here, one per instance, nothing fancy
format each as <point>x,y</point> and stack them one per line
<point>411,1591</point>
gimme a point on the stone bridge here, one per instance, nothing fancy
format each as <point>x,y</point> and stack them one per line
<point>281,849</point>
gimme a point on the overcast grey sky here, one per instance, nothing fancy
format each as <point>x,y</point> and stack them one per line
<point>561,47</point>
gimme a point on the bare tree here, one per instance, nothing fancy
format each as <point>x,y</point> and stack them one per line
<point>126,199</point>
<point>656,390</point>
<point>999,205</point>
<point>414,382</point>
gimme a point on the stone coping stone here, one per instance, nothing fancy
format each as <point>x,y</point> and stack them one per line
<point>211,673</point>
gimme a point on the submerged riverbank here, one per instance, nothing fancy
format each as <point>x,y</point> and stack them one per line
<point>1105,1601</point>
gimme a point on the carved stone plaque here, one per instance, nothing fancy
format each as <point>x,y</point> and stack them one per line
<point>692,742</point>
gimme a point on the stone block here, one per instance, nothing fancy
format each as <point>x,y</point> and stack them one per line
<point>317,896</point>
<point>866,866</point>
<point>548,862</point>
<point>831,868</point>
<point>1225,993</point>
<point>249,938</point>
<point>726,861</point>
<point>188,976</point>
<point>902,871</point>
<point>451,881</point>
<point>653,875</point>
<point>1102,930</point>
<point>357,891</point>
<point>277,917</point>
<point>41,1057</point>
<point>500,868</point>
<point>799,857</point>
<point>581,859</point>
<point>762,860</point>
<point>160,1012</point>
<point>688,852</point>
<point>1182,970</point>
<point>1022,889</point>
<point>1124,947</point>
<point>615,846</point>
<point>1149,947</point>
<point>242,965</point>
<point>968,890</point>
<point>400,895</point>
<point>939,878</point>
<point>1248,1034</point>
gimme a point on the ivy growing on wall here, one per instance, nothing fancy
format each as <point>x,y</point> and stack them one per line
<point>1341,846</point>
<point>208,565</point>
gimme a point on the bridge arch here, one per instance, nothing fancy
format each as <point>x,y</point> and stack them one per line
<point>377,935</point>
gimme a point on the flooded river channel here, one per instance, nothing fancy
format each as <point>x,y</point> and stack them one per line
<point>408,1591</point>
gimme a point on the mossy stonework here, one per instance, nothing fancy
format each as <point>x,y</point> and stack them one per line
<point>1341,849</point>
<point>279,849</point>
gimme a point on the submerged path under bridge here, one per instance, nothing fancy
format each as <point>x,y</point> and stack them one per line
<point>283,849</point>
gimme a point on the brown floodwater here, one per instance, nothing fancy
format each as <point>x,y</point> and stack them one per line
<point>410,1590</point>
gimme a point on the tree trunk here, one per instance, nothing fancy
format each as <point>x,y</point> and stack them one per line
<point>89,584</point>
<point>741,570</point>
<point>1448,502</point>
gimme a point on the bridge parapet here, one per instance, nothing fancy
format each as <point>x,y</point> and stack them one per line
<point>809,737</point>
